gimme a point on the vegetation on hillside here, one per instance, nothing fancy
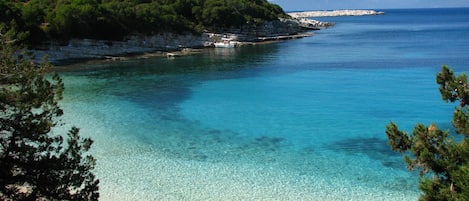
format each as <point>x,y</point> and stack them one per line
<point>35,162</point>
<point>441,157</point>
<point>115,19</point>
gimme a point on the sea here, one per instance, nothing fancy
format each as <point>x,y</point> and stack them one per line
<point>300,119</point>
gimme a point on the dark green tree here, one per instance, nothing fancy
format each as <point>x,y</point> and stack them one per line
<point>441,157</point>
<point>36,163</point>
<point>61,20</point>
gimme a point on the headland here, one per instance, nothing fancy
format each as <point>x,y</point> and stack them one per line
<point>82,50</point>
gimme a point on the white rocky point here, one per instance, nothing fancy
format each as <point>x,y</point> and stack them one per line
<point>334,13</point>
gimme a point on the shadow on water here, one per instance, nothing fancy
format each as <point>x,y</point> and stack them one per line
<point>161,83</point>
<point>209,60</point>
<point>375,148</point>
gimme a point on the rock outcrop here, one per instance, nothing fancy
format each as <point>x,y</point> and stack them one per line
<point>88,49</point>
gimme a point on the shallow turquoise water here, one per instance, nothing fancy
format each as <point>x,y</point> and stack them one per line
<point>314,109</point>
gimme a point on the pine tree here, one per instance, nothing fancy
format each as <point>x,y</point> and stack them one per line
<point>35,163</point>
<point>441,157</point>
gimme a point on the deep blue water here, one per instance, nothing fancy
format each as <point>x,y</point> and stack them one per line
<point>316,106</point>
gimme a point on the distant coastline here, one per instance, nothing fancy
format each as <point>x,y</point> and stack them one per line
<point>334,13</point>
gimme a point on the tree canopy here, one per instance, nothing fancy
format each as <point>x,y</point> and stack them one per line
<point>441,157</point>
<point>36,163</point>
<point>115,19</point>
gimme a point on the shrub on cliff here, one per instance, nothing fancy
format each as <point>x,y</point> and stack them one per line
<point>441,158</point>
<point>115,19</point>
<point>35,163</point>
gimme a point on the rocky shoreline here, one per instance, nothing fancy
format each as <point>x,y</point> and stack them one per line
<point>81,50</point>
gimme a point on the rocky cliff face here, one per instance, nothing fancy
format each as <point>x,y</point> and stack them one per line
<point>86,49</point>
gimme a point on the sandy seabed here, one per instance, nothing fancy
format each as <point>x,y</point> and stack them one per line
<point>142,177</point>
<point>173,164</point>
<point>132,171</point>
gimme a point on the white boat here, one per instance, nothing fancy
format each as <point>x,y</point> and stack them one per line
<point>226,43</point>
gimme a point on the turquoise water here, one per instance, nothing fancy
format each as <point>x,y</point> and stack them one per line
<point>300,119</point>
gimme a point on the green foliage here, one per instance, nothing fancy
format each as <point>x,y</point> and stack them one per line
<point>35,163</point>
<point>443,161</point>
<point>11,19</point>
<point>115,19</point>
<point>216,12</point>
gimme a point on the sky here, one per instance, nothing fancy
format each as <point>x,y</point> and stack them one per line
<point>301,5</point>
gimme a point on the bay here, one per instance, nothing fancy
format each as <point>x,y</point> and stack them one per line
<point>300,119</point>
